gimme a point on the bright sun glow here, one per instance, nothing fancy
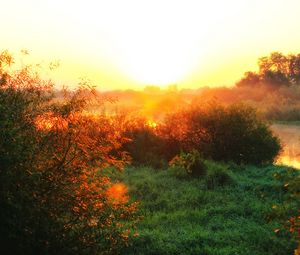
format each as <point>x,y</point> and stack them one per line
<point>159,64</point>
<point>159,44</point>
<point>158,56</point>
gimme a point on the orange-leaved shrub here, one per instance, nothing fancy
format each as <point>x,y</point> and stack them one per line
<point>54,196</point>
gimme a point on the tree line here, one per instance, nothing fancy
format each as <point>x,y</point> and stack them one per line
<point>274,70</point>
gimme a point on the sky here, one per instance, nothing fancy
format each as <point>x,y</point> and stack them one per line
<point>128,44</point>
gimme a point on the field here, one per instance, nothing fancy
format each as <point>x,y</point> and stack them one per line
<point>210,215</point>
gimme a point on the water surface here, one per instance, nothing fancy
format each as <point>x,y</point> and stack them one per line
<point>289,135</point>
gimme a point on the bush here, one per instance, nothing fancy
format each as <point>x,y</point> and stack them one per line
<point>192,164</point>
<point>54,197</point>
<point>144,145</point>
<point>233,133</point>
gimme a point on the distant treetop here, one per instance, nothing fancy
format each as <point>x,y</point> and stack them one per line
<point>274,70</point>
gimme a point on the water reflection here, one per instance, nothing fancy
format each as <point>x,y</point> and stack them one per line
<point>290,139</point>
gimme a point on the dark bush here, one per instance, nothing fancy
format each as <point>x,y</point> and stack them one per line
<point>144,145</point>
<point>233,133</point>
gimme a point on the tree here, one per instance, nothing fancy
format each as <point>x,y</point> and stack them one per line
<point>249,79</point>
<point>294,68</point>
<point>274,70</point>
<point>276,62</point>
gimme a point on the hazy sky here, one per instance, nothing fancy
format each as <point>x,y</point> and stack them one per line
<point>132,43</point>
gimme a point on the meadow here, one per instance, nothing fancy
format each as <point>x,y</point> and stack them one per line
<point>241,215</point>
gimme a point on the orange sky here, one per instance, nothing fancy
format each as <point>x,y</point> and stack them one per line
<point>133,43</point>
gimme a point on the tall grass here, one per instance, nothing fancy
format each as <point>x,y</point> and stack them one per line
<point>185,216</point>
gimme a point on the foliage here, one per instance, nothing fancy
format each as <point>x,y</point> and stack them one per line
<point>274,70</point>
<point>143,145</point>
<point>290,180</point>
<point>173,132</point>
<point>233,133</point>
<point>191,163</point>
<point>54,197</point>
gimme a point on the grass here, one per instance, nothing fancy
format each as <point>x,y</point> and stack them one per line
<point>284,122</point>
<point>187,216</point>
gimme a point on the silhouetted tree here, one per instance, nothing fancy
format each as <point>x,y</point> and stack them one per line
<point>249,79</point>
<point>274,70</point>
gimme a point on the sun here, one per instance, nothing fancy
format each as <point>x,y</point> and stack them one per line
<point>158,62</point>
<point>157,49</point>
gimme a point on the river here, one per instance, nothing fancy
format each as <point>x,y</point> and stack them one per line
<point>289,135</point>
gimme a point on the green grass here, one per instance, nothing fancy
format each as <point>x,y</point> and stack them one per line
<point>188,216</point>
<point>285,122</point>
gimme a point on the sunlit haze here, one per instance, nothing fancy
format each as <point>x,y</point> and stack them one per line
<point>134,43</point>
